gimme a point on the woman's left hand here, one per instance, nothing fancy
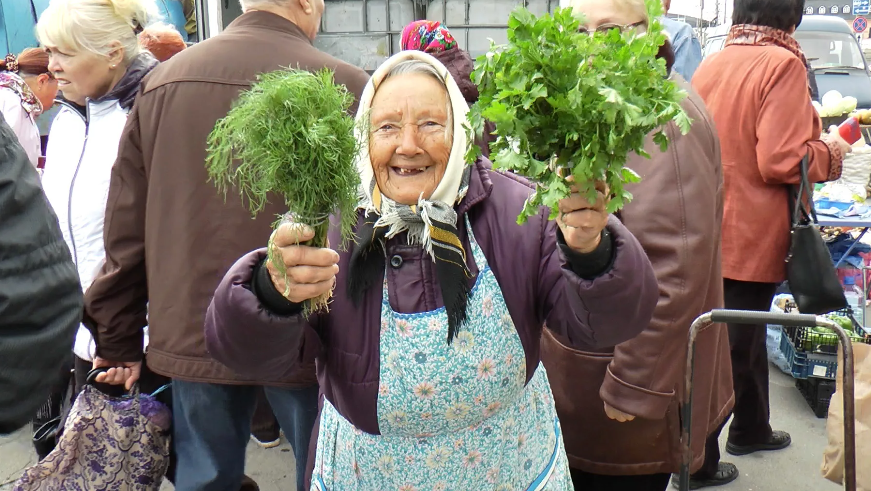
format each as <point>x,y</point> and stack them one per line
<point>581,221</point>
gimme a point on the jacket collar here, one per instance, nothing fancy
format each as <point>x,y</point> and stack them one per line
<point>480,186</point>
<point>268,20</point>
<point>126,89</point>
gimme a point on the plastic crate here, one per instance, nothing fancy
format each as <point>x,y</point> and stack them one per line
<point>813,355</point>
<point>807,364</point>
<point>818,394</point>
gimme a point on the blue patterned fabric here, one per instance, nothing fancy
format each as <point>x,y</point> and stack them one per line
<point>452,417</point>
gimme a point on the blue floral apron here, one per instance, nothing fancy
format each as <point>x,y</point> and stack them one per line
<point>452,417</point>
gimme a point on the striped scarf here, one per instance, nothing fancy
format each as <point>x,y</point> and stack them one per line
<point>431,224</point>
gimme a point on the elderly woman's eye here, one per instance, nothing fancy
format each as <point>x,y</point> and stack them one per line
<point>386,127</point>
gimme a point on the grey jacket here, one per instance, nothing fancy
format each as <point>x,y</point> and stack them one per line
<point>40,295</point>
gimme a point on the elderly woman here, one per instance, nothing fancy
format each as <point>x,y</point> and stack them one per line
<point>747,87</point>
<point>628,398</point>
<point>27,88</point>
<point>429,354</point>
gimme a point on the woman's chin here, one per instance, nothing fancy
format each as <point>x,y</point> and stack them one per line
<point>407,189</point>
<point>408,195</point>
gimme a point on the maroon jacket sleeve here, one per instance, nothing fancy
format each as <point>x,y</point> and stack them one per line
<point>244,336</point>
<point>603,311</point>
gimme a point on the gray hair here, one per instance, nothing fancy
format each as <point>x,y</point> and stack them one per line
<point>409,67</point>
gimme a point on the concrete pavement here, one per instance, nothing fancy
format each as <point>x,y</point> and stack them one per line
<point>795,469</point>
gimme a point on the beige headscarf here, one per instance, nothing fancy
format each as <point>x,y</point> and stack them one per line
<point>449,189</point>
<point>432,223</point>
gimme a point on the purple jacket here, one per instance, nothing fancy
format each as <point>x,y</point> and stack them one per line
<point>538,285</point>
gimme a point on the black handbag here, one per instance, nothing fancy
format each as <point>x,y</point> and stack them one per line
<point>810,270</point>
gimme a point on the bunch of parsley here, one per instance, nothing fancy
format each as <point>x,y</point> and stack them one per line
<point>291,135</point>
<point>564,100</point>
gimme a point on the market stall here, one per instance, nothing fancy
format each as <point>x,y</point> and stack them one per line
<point>843,208</point>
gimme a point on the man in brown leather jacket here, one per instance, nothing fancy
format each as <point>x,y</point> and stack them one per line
<point>170,237</point>
<point>619,408</point>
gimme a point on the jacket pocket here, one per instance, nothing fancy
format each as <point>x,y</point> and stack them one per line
<point>594,442</point>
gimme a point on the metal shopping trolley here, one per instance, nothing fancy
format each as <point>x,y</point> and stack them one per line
<point>785,320</point>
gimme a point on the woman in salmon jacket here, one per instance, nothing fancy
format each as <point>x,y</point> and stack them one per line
<point>757,91</point>
<point>429,355</point>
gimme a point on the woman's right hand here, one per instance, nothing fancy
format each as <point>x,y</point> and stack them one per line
<point>311,271</point>
<point>835,136</point>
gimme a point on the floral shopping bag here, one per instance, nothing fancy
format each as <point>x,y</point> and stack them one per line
<point>108,443</point>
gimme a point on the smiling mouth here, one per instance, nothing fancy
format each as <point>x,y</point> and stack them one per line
<point>409,172</point>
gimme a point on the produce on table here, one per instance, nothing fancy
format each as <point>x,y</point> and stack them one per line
<point>568,105</point>
<point>864,116</point>
<point>816,337</point>
<point>846,190</point>
<point>834,104</point>
<point>290,137</point>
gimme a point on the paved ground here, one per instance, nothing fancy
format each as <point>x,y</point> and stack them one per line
<point>794,469</point>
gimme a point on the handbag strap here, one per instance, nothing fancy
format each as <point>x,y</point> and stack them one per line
<point>801,212</point>
<point>91,380</point>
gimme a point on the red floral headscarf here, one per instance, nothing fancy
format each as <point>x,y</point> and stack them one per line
<point>427,36</point>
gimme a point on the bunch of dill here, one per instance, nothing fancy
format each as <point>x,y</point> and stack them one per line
<point>291,135</point>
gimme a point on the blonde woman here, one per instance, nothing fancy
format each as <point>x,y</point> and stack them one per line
<point>620,407</point>
<point>95,56</point>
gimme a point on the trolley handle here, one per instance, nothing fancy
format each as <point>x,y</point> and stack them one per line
<point>753,317</point>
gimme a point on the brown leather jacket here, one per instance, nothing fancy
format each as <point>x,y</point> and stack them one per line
<point>676,215</point>
<point>170,236</point>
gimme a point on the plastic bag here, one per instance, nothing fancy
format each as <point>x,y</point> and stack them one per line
<point>775,355</point>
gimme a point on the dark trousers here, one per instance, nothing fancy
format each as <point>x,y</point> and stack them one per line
<point>749,372</point>
<point>212,426</point>
<point>584,481</point>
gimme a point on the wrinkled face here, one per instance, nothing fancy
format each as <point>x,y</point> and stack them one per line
<point>410,139</point>
<point>82,75</point>
<point>605,14</point>
<point>44,87</point>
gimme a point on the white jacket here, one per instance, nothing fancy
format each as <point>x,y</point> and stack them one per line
<point>78,167</point>
<point>22,124</point>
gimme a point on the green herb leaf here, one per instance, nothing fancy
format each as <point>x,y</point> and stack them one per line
<point>564,99</point>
